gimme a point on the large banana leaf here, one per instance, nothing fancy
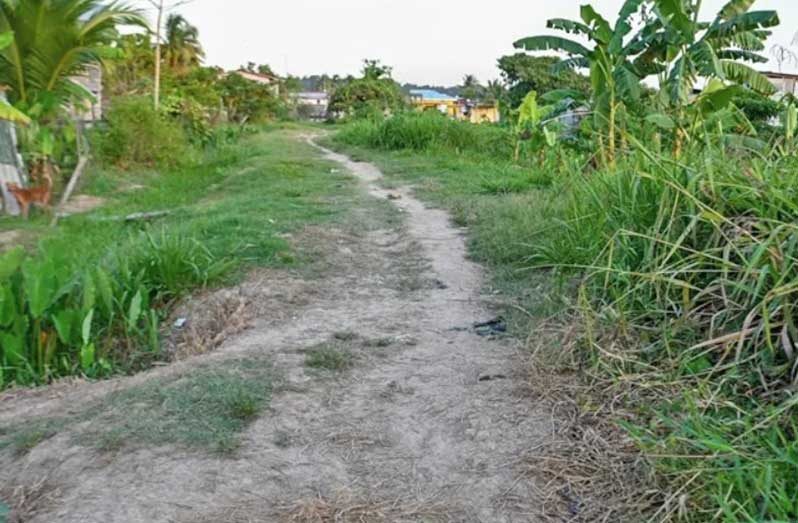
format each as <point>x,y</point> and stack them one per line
<point>734,8</point>
<point>742,74</point>
<point>627,82</point>
<point>571,63</point>
<point>741,54</point>
<point>552,43</point>
<point>702,58</point>
<point>602,32</point>
<point>673,14</point>
<point>747,40</point>
<point>743,23</point>
<point>569,26</point>
<point>623,27</point>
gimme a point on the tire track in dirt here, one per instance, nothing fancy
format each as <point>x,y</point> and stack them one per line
<point>411,433</point>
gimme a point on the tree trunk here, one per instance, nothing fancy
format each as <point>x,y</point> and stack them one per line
<point>73,182</point>
<point>157,87</point>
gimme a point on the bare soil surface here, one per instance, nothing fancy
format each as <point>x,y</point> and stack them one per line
<point>426,425</point>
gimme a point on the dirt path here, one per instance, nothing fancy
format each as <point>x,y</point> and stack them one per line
<point>426,425</point>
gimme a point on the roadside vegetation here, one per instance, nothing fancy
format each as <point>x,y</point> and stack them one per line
<point>651,229</point>
<point>90,297</point>
<point>663,225</point>
<point>195,189</point>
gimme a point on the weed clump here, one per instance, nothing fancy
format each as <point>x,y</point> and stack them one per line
<point>329,357</point>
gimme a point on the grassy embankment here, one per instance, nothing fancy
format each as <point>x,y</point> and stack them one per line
<point>87,297</point>
<point>674,281</point>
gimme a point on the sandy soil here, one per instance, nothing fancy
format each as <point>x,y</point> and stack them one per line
<point>428,428</point>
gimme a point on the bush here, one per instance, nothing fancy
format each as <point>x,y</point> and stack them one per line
<point>367,97</point>
<point>137,134</point>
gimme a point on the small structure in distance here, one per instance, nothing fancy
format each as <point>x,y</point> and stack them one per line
<point>312,105</point>
<point>785,83</point>
<point>454,107</point>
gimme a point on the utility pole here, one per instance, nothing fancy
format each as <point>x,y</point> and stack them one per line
<point>161,8</point>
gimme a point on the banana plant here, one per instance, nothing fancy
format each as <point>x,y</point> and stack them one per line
<point>530,125</point>
<point>684,49</point>
<point>711,114</point>
<point>613,75</point>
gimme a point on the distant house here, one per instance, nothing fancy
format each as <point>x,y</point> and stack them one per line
<point>479,112</point>
<point>312,104</point>
<point>92,81</point>
<point>785,83</point>
<point>454,107</point>
<point>263,79</point>
<point>428,99</point>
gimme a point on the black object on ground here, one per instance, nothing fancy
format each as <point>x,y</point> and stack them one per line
<point>439,284</point>
<point>491,377</point>
<point>491,327</point>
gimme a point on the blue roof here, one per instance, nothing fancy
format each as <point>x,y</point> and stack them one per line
<point>429,94</point>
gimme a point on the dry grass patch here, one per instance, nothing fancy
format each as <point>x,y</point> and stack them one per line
<point>25,502</point>
<point>346,507</point>
<point>591,470</point>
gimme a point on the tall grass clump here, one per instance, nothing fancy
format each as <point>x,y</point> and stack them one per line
<point>687,300</point>
<point>428,131</point>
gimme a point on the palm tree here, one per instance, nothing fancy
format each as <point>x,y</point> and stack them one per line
<point>471,88</point>
<point>55,41</point>
<point>182,49</point>
<point>495,90</point>
<point>7,112</point>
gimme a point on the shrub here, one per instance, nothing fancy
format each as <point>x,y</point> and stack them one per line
<point>367,97</point>
<point>137,134</point>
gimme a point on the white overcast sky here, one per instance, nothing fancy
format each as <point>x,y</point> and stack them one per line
<point>426,41</point>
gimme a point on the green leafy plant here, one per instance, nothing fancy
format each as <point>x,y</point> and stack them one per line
<point>57,320</point>
<point>530,125</point>
<point>54,42</point>
<point>613,76</point>
<point>137,134</point>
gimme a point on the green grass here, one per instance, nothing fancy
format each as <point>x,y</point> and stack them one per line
<point>329,357</point>
<point>227,214</point>
<point>205,408</point>
<point>652,258</point>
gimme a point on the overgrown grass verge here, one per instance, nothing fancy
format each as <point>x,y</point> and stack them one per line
<point>89,297</point>
<point>205,408</point>
<point>678,277</point>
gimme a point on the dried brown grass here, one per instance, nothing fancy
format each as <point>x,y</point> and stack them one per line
<point>344,506</point>
<point>591,470</point>
<point>28,501</point>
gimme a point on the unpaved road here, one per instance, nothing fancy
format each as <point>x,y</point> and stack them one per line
<point>427,428</point>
